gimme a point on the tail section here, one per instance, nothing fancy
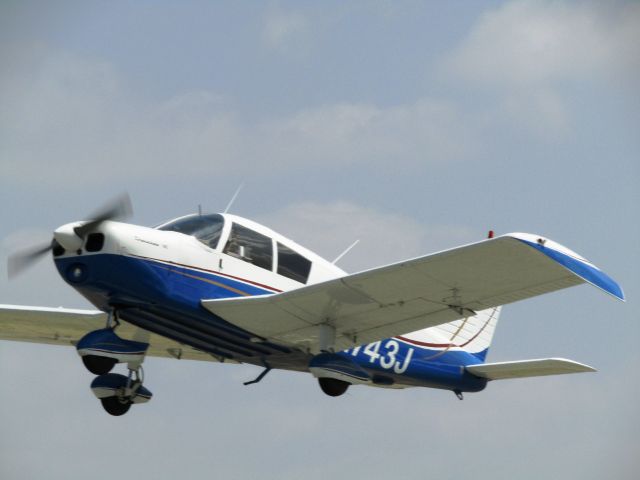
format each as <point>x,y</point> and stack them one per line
<point>472,334</point>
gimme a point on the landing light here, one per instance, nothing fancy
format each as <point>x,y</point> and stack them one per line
<point>77,273</point>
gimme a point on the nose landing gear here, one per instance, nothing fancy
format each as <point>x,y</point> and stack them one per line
<point>115,406</point>
<point>118,392</point>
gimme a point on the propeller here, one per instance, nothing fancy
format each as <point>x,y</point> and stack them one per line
<point>118,208</point>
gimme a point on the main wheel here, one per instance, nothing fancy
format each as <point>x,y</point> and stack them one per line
<point>333,387</point>
<point>98,365</point>
<point>114,406</point>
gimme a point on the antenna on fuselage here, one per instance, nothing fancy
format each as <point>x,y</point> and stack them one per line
<point>233,199</point>
<point>345,252</point>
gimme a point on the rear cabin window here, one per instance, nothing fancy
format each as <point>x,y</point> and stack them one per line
<point>206,228</point>
<point>292,264</point>
<point>250,246</point>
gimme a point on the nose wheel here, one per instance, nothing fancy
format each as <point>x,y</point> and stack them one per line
<point>115,406</point>
<point>118,392</point>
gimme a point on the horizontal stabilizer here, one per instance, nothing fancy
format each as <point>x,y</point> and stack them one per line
<point>527,368</point>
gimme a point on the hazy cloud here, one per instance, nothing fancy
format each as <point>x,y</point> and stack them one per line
<point>427,131</point>
<point>385,237</point>
<point>528,43</point>
<point>527,52</point>
<point>284,30</point>
<point>68,114</point>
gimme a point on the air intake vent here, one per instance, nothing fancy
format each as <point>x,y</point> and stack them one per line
<point>95,242</point>
<point>57,248</point>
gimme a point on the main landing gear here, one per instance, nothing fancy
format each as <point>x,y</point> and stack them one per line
<point>327,365</point>
<point>332,386</point>
<point>101,350</point>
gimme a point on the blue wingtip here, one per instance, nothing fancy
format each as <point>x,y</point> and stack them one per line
<point>587,272</point>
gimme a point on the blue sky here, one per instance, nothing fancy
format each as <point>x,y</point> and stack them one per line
<point>412,126</point>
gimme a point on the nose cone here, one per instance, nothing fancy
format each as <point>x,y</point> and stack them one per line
<point>67,237</point>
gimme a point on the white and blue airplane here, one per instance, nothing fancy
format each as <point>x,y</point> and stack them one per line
<point>218,287</point>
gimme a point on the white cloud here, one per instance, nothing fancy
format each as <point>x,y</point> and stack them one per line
<point>526,43</point>
<point>528,52</point>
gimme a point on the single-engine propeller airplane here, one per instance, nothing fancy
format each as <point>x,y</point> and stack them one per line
<point>219,287</point>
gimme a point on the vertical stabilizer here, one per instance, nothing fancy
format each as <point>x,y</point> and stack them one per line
<point>472,334</point>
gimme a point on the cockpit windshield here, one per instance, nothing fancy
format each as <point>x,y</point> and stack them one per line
<point>206,228</point>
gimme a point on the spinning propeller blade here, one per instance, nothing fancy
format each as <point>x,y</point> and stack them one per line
<point>19,261</point>
<point>119,208</point>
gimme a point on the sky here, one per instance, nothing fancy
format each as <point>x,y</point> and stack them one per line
<point>411,126</point>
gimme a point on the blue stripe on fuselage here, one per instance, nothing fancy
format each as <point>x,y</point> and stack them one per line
<point>174,292</point>
<point>415,365</point>
<point>153,280</point>
<point>169,294</point>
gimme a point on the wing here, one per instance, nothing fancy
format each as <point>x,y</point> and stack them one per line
<point>415,294</point>
<point>63,326</point>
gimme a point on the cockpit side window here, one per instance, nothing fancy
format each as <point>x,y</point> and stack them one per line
<point>250,246</point>
<point>206,228</point>
<point>293,265</point>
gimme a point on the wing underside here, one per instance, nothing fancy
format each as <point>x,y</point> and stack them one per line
<point>414,294</point>
<point>62,326</point>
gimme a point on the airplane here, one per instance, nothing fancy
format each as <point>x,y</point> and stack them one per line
<point>219,287</point>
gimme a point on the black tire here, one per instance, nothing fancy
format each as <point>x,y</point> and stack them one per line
<point>114,406</point>
<point>333,387</point>
<point>98,365</point>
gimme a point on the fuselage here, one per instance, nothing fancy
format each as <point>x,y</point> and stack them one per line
<point>157,277</point>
